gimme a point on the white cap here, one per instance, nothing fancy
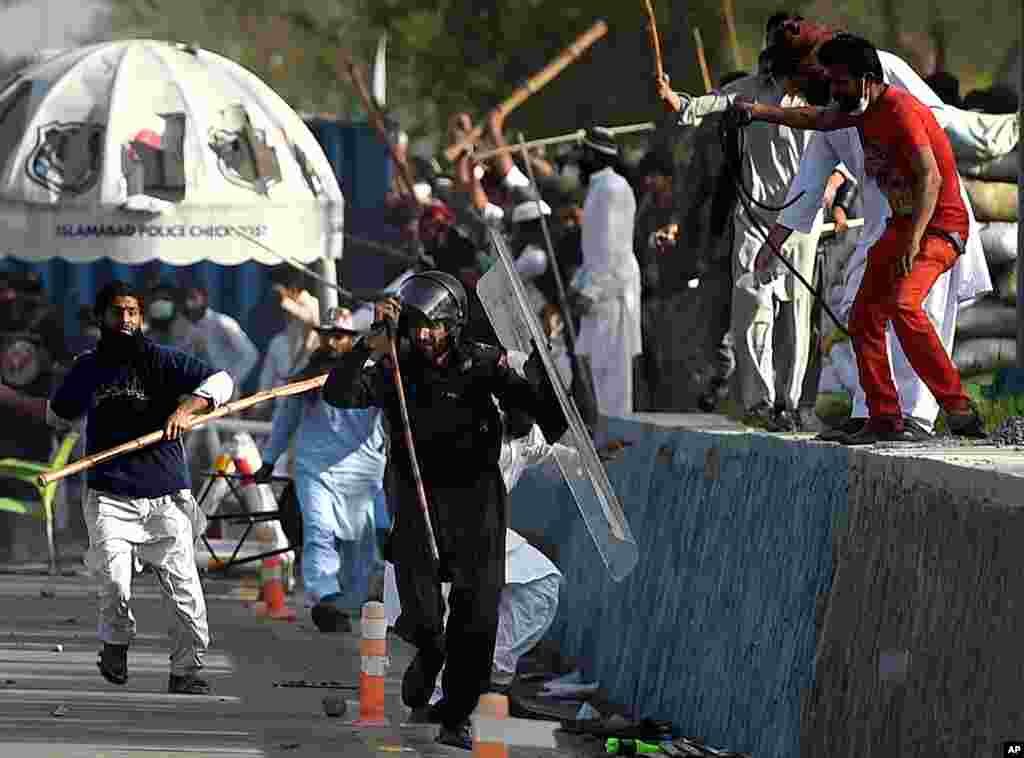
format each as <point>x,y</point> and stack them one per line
<point>528,211</point>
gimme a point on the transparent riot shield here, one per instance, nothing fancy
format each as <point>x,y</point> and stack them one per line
<point>504,299</point>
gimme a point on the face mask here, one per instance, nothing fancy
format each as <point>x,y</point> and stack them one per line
<point>161,311</point>
<point>857,106</point>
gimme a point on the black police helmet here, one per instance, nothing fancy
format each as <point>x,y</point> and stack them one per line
<point>436,296</point>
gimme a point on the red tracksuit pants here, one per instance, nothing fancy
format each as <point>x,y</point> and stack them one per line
<point>885,295</point>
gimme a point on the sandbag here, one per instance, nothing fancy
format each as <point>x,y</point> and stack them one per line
<point>999,240</point>
<point>992,201</point>
<point>983,354</point>
<point>1005,168</point>
<point>988,318</point>
<point>1006,284</point>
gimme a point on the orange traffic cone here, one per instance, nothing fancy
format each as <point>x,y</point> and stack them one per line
<point>272,598</point>
<point>488,732</point>
<point>374,651</point>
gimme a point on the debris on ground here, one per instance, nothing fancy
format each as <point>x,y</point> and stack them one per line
<point>334,706</point>
<point>302,683</point>
<point>58,648</point>
<point>47,593</point>
<point>60,710</point>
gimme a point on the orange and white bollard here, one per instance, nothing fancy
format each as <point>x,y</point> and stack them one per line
<point>272,602</point>
<point>489,738</point>
<point>373,648</point>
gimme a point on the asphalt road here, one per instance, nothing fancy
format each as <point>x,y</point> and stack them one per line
<point>53,701</point>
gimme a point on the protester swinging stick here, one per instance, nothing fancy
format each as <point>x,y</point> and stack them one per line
<point>533,84</point>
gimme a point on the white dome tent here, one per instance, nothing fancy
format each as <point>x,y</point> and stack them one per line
<point>141,150</point>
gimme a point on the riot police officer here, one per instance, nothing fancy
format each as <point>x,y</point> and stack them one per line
<point>450,386</point>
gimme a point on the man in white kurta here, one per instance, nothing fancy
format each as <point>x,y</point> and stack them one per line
<point>608,282</point>
<point>968,279</point>
<point>771,324</point>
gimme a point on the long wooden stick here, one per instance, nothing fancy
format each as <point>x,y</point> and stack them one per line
<point>373,112</point>
<point>652,33</point>
<point>410,445</point>
<point>152,438</point>
<point>538,80</point>
<point>576,136</point>
<point>730,25</point>
<point>702,60</point>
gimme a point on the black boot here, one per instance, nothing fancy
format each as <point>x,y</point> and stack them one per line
<point>418,682</point>
<point>113,663</point>
<point>329,619</point>
<point>460,736</point>
<point>967,423</point>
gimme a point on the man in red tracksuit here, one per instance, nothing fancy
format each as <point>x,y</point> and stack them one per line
<point>909,156</point>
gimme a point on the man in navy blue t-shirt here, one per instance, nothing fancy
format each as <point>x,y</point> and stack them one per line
<point>140,507</point>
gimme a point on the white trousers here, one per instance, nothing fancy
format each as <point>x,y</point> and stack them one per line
<point>771,325</point>
<point>156,532</point>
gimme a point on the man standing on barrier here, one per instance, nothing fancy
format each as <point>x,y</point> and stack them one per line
<point>140,509</point>
<point>339,471</point>
<point>450,385</point>
<point>911,159</point>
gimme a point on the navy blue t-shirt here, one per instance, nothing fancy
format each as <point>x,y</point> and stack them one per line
<point>126,399</point>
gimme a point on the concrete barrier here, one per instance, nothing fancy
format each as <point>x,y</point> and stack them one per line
<point>732,625</point>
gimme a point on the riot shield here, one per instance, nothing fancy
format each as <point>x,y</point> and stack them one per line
<point>504,299</point>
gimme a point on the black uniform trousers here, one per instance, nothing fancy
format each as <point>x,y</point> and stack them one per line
<point>469,518</point>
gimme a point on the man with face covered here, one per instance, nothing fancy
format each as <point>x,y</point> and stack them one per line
<point>140,509</point>
<point>911,161</point>
<point>339,470</point>
<point>450,385</point>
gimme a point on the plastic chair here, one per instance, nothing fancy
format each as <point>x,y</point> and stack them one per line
<point>29,471</point>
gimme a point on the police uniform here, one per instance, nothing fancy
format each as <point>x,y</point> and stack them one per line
<point>457,432</point>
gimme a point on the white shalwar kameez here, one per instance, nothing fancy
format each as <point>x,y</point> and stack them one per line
<point>610,278</point>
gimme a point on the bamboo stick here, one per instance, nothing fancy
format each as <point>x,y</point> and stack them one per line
<point>576,136</point>
<point>652,32</point>
<point>535,83</point>
<point>702,60</point>
<point>152,438</point>
<point>730,25</point>
<point>355,75</point>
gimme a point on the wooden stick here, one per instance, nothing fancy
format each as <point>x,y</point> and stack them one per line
<point>730,25</point>
<point>576,136</point>
<point>702,60</point>
<point>538,80</point>
<point>373,112</point>
<point>652,33</point>
<point>410,445</point>
<point>152,438</point>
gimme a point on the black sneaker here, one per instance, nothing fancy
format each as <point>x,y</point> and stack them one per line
<point>329,619</point>
<point>761,416</point>
<point>188,684</point>
<point>881,431</point>
<point>788,421</point>
<point>113,663</point>
<point>418,681</point>
<point>914,429</point>
<point>839,433</point>
<point>967,423</point>
<point>460,736</point>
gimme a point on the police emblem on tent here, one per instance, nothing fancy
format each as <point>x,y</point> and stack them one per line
<point>67,157</point>
<point>21,362</point>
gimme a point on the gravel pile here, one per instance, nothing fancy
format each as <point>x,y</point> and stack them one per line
<point>1010,432</point>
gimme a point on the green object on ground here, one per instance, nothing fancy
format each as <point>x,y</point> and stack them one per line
<point>619,746</point>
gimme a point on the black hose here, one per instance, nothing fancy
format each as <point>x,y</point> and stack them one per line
<point>731,134</point>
